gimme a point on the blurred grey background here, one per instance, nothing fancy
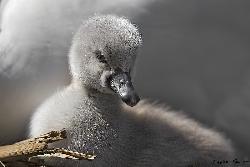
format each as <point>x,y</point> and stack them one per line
<point>195,58</point>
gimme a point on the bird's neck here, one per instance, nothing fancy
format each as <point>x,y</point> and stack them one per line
<point>96,122</point>
<point>108,105</point>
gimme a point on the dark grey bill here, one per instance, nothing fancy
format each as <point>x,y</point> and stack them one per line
<point>121,84</point>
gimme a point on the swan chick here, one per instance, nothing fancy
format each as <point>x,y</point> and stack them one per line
<point>102,114</point>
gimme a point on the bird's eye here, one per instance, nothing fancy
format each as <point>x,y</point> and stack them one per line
<point>100,56</point>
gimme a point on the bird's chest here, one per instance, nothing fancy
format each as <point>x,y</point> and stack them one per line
<point>95,135</point>
<point>91,131</point>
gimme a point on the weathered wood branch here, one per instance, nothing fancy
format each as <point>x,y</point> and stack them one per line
<point>22,153</point>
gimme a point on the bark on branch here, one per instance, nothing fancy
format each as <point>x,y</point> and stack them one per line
<point>22,153</point>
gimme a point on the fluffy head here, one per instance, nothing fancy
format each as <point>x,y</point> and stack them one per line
<point>103,45</point>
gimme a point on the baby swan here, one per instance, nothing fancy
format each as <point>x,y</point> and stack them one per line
<point>101,59</point>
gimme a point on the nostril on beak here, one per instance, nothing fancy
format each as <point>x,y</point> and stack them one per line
<point>121,84</point>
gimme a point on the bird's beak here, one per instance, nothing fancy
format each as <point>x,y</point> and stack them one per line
<point>120,83</point>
